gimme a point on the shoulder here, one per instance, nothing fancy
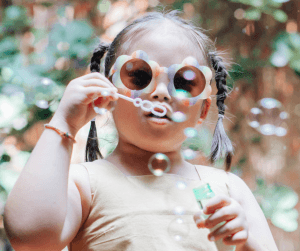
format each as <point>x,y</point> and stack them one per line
<point>238,189</point>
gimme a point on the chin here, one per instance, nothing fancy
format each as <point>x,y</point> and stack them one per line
<point>159,145</point>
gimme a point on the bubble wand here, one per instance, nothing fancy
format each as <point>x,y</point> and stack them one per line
<point>146,105</point>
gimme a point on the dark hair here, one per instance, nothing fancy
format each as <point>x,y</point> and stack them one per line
<point>221,145</point>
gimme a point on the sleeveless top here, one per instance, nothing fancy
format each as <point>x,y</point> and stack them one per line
<point>145,213</point>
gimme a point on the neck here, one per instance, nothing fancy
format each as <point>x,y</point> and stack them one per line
<point>132,160</point>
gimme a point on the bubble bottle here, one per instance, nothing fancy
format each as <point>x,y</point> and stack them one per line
<point>202,194</point>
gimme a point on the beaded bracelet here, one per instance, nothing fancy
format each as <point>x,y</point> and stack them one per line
<point>63,134</point>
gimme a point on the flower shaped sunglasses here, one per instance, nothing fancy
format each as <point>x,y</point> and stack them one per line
<point>137,74</point>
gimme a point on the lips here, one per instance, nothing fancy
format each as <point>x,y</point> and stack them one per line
<point>167,116</point>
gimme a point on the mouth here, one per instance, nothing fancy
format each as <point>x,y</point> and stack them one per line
<point>151,115</point>
<point>166,119</point>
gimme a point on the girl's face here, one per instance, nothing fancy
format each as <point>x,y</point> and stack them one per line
<point>133,124</point>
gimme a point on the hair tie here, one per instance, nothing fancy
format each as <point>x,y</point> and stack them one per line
<point>221,116</point>
<point>93,119</point>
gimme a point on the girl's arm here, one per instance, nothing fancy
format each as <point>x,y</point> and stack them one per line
<point>260,237</point>
<point>42,212</point>
<point>44,209</point>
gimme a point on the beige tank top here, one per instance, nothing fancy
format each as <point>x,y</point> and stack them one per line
<point>137,213</point>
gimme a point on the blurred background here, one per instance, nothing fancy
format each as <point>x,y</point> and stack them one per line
<point>45,44</point>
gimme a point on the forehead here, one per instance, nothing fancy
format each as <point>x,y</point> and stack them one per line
<point>167,48</point>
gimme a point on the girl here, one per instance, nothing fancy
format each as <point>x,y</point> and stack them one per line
<point>116,203</point>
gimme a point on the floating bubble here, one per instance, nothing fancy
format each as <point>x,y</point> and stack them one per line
<point>182,94</point>
<point>267,129</point>
<point>178,117</point>
<point>159,164</point>
<point>179,210</point>
<point>269,117</point>
<point>189,154</point>
<point>281,130</point>
<point>45,91</point>
<point>190,132</point>
<point>178,229</point>
<point>254,117</point>
<point>129,66</point>
<point>181,185</point>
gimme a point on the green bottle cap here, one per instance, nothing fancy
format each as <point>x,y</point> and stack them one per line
<point>203,192</point>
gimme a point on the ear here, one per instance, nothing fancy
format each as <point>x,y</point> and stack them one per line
<point>204,109</point>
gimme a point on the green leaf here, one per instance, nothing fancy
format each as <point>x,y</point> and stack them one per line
<point>280,1</point>
<point>295,63</point>
<point>288,198</point>
<point>286,220</point>
<point>295,40</point>
<point>103,6</point>
<point>8,46</point>
<point>8,178</point>
<point>280,16</point>
<point>253,14</point>
<point>7,73</point>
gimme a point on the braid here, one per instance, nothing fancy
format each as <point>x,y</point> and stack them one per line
<point>221,144</point>
<point>92,146</point>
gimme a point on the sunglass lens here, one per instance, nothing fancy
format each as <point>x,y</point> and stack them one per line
<point>136,74</point>
<point>190,79</point>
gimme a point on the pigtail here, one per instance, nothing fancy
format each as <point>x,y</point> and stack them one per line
<point>92,151</point>
<point>221,144</point>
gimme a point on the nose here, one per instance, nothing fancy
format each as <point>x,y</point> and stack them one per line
<point>161,92</point>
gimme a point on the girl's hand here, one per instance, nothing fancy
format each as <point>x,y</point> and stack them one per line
<point>235,230</point>
<point>76,107</point>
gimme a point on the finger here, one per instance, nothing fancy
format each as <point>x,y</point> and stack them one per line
<point>93,82</point>
<point>95,75</point>
<point>224,214</point>
<point>229,228</point>
<point>237,238</point>
<point>199,219</point>
<point>94,92</point>
<point>216,202</point>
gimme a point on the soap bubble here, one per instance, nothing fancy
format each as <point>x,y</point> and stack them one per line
<point>178,117</point>
<point>190,132</point>
<point>178,210</point>
<point>269,118</point>
<point>159,164</point>
<point>189,154</point>
<point>181,185</point>
<point>254,117</point>
<point>182,96</point>
<point>178,229</point>
<point>45,91</point>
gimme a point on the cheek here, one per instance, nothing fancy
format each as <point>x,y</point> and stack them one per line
<point>193,113</point>
<point>126,116</point>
